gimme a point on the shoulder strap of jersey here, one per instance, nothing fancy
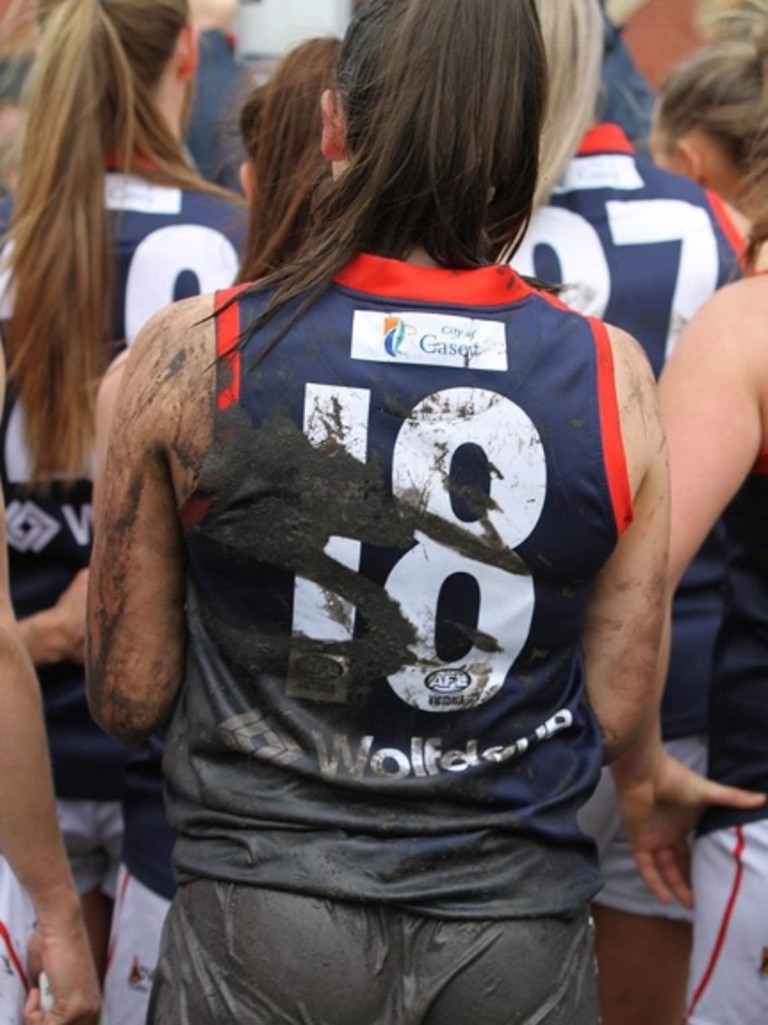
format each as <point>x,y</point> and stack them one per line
<point>228,348</point>
<point>615,457</point>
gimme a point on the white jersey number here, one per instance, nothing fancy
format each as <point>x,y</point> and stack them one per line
<point>160,260</point>
<point>156,265</point>
<point>584,266</point>
<point>426,444</point>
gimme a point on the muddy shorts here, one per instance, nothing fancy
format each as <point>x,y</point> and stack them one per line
<point>260,957</point>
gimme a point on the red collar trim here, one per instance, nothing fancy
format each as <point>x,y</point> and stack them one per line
<point>496,285</point>
<point>140,163</point>
<point>607,138</point>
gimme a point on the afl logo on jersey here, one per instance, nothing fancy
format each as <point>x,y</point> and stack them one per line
<point>448,681</point>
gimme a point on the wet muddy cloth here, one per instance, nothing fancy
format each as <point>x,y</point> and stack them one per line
<point>260,957</point>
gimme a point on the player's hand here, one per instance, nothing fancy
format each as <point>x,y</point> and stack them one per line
<point>60,947</point>
<point>660,812</point>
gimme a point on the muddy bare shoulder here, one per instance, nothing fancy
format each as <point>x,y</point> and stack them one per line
<point>169,384</point>
<point>637,396</point>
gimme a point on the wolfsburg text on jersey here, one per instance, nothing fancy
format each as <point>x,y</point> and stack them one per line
<point>339,754</point>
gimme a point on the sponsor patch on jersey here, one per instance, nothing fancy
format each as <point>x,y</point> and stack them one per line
<point>125,192</point>
<point>602,171</point>
<point>432,339</point>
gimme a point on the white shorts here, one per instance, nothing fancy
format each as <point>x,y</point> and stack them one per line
<point>134,946</point>
<point>93,837</point>
<point>17,921</point>
<point>728,982</point>
<point>624,888</point>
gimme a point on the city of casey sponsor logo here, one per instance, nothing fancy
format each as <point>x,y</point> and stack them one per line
<point>429,338</point>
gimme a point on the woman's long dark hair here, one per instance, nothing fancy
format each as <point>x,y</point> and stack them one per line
<point>444,102</point>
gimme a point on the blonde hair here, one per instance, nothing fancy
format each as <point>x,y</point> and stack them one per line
<point>722,90</point>
<point>733,19</point>
<point>90,102</point>
<point>573,39</point>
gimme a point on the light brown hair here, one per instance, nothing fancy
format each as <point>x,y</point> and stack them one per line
<point>732,19</point>
<point>90,103</point>
<point>573,37</point>
<point>280,125</point>
<point>722,90</point>
<point>443,102</point>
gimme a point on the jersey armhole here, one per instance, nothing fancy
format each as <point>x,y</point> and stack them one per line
<point>228,354</point>
<point>728,226</point>
<point>614,456</point>
<point>226,312</point>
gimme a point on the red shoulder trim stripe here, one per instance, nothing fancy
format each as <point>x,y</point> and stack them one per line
<point>227,313</point>
<point>610,426</point>
<point>761,466</point>
<point>496,285</point>
<point>730,230</point>
<point>605,138</point>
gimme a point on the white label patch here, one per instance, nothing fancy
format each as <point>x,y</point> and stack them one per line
<point>124,192</point>
<point>433,339</point>
<point>602,171</point>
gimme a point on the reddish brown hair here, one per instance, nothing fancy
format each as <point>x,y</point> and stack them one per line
<point>281,125</point>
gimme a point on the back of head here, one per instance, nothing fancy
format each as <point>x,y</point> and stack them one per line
<point>718,90</point>
<point>280,125</point>
<point>102,59</point>
<point>733,19</point>
<point>722,91</point>
<point>442,103</point>
<point>573,38</point>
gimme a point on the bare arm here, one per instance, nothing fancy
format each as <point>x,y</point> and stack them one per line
<point>159,434</point>
<point>29,833</point>
<point>624,616</point>
<point>711,397</point>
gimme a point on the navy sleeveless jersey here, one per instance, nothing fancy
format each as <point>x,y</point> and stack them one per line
<point>391,547</point>
<point>738,750</point>
<point>169,244</point>
<point>643,249</point>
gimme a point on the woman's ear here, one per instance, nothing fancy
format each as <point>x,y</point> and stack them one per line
<point>186,54</point>
<point>334,138</point>
<point>247,180</point>
<point>688,158</point>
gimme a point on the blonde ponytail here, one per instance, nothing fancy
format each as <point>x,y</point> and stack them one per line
<point>90,103</point>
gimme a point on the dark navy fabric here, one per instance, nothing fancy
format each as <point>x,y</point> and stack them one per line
<point>147,838</point>
<point>160,236</point>
<point>627,98</point>
<point>213,134</point>
<point>642,249</point>
<point>390,554</point>
<point>738,751</point>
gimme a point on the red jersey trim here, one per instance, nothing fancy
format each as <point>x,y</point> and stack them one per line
<point>731,232</point>
<point>761,466</point>
<point>227,313</point>
<point>496,285</point>
<point>606,138</point>
<point>610,429</point>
